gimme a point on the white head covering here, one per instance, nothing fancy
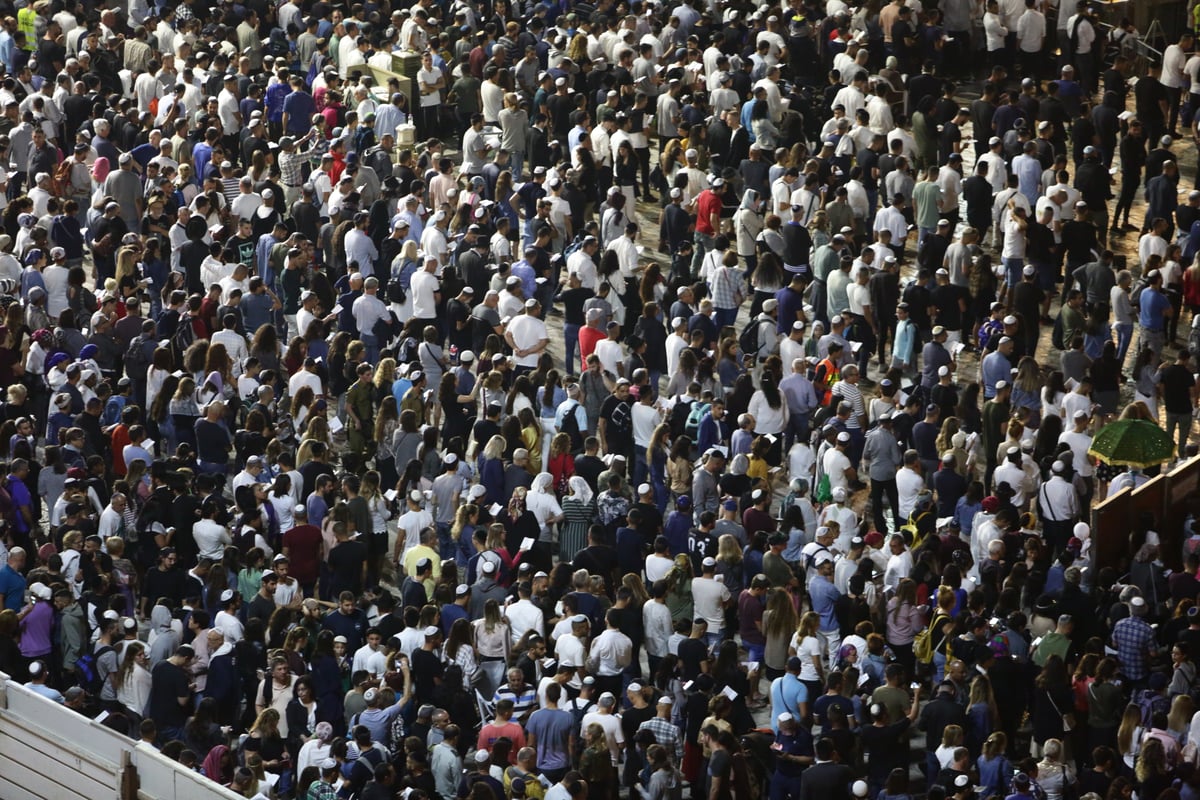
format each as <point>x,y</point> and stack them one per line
<point>542,483</point>
<point>580,489</point>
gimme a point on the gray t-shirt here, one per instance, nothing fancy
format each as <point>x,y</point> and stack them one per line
<point>444,488</point>
<point>106,665</point>
<point>552,727</point>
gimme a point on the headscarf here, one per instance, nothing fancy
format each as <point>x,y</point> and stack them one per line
<point>100,169</point>
<point>580,489</point>
<point>542,483</point>
<point>749,198</point>
<point>212,766</point>
<point>740,464</point>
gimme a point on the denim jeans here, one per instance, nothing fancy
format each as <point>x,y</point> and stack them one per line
<point>515,160</point>
<point>640,468</point>
<point>445,543</point>
<point>1012,270</point>
<point>725,316</point>
<point>570,343</point>
<point>371,343</point>
<point>1124,338</point>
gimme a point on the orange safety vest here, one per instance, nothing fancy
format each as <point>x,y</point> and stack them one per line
<point>832,375</point>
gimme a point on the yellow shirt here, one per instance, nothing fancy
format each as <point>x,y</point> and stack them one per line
<point>414,555</point>
<point>758,469</point>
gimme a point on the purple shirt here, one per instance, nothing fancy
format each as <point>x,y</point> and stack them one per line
<point>35,630</point>
<point>21,499</point>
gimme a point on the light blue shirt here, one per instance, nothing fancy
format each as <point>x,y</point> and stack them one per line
<point>787,693</point>
<point>823,595</point>
<point>995,368</point>
<point>1029,175</point>
<point>902,348</point>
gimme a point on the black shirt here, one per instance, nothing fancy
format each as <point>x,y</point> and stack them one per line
<point>692,653</point>
<point>346,563</point>
<point>426,666</point>
<point>1177,382</point>
<point>168,684</point>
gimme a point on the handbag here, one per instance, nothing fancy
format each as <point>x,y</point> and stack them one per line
<point>1068,719</point>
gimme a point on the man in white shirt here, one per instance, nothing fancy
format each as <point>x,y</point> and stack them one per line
<point>710,596</point>
<point>368,311</point>
<point>370,656</point>
<point>899,564</point>
<point>1031,34</point>
<point>360,249</point>
<point>1174,75</point>
<point>836,464</point>
<point>569,649</point>
<point>677,340</point>
<point>306,377</point>
<point>612,651</point>
<point>909,483</point>
<point>523,615</point>
<point>1080,442</point>
<point>234,342</point>
<point>424,291</point>
<point>527,336</point>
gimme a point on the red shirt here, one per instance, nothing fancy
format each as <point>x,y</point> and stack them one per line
<point>707,204</point>
<point>303,545</point>
<point>588,336</point>
<point>118,439</point>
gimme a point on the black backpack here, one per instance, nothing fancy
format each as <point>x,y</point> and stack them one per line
<point>136,362</point>
<point>748,341</point>
<point>570,426</point>
<point>679,416</point>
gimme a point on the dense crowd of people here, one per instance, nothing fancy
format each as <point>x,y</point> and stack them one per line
<point>361,439</point>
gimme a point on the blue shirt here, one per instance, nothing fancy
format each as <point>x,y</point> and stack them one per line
<point>524,271</point>
<point>1153,304</point>
<point>299,106</point>
<point>787,693</point>
<point>711,432</point>
<point>996,367</point>
<point>12,588</point>
<point>451,613</point>
<point>823,595</point>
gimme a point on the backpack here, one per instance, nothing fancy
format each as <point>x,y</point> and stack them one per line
<point>679,416</point>
<point>570,426</point>
<point>691,428</point>
<point>923,641</point>
<point>87,671</point>
<point>183,337</point>
<point>748,342</point>
<point>1056,335</point>
<point>136,362</point>
<point>1150,703</point>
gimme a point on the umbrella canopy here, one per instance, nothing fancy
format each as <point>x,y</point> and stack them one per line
<point>1132,443</point>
